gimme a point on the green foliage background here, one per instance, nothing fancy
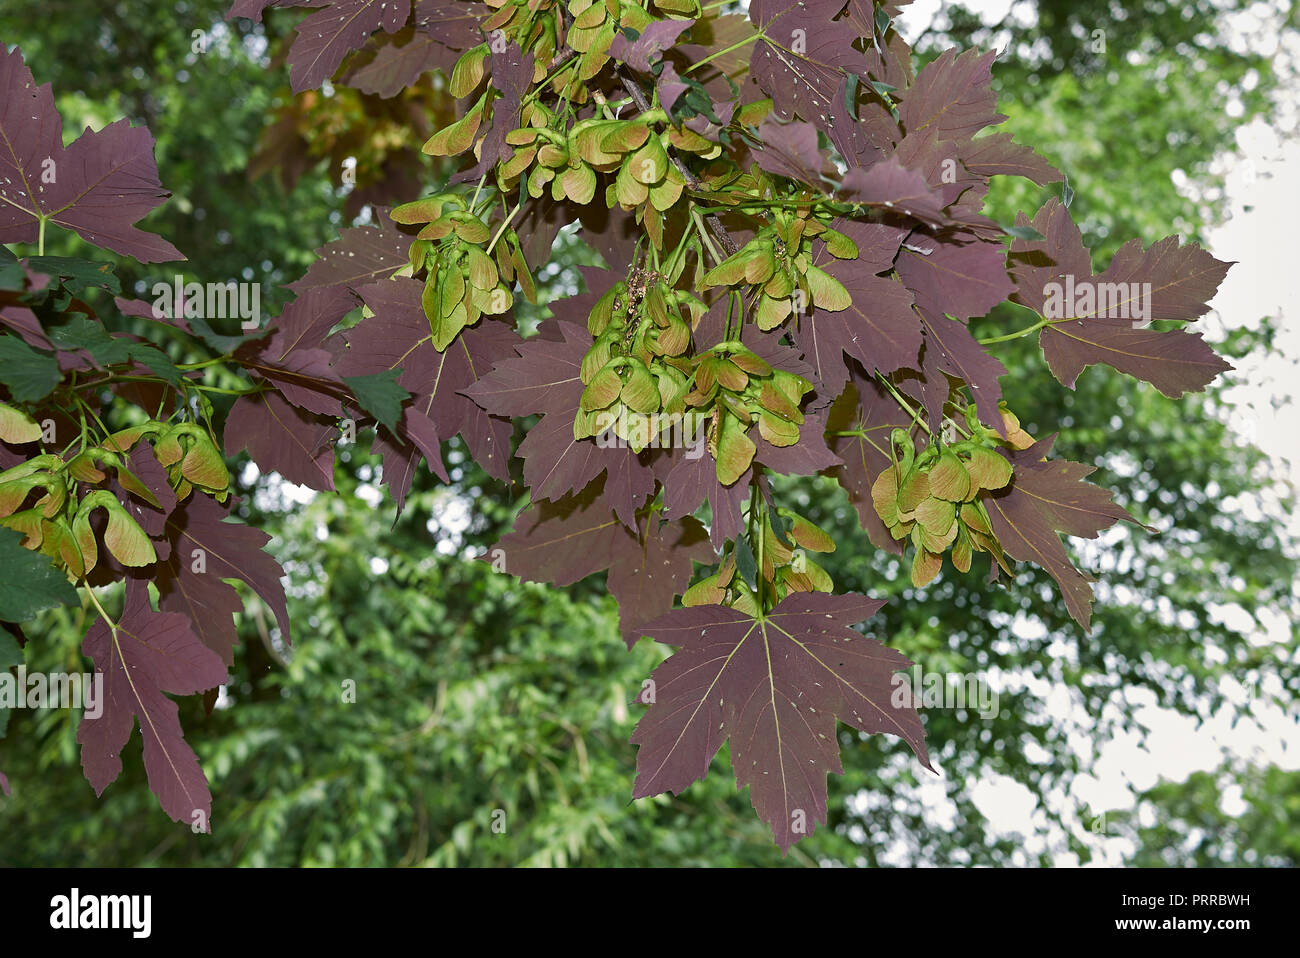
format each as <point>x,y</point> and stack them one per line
<point>477,695</point>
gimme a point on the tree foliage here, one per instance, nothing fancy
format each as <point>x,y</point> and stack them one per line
<point>795,250</point>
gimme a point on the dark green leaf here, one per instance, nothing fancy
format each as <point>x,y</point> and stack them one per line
<point>11,271</point>
<point>30,374</point>
<point>1024,233</point>
<point>78,275</point>
<point>882,21</point>
<point>380,395</point>
<point>29,583</point>
<point>745,563</point>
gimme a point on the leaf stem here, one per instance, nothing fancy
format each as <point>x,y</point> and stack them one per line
<point>108,619</point>
<point>906,406</point>
<point>723,52</point>
<point>206,363</point>
<point>229,392</point>
<point>704,235</point>
<point>1027,331</point>
<point>502,228</point>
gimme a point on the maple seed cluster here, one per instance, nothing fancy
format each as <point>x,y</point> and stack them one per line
<point>786,538</point>
<point>540,25</point>
<point>569,157</point>
<point>463,282</point>
<point>631,372</point>
<point>60,503</point>
<point>935,498</point>
<point>742,390</point>
<point>778,260</point>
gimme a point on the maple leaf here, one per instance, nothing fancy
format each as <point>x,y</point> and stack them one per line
<point>252,9</point>
<point>293,358</point>
<point>646,580</point>
<point>397,337</point>
<point>629,481</point>
<point>937,160</point>
<point>398,62</point>
<point>1182,279</point>
<point>998,155</point>
<point>864,134</point>
<point>891,185</point>
<point>951,349</point>
<point>145,654</point>
<point>563,541</point>
<point>955,274</point>
<point>1044,498</point>
<point>879,328</point>
<point>688,483</point>
<point>802,58</point>
<point>361,255</point>
<point>512,75</point>
<point>790,149</point>
<point>152,516</point>
<point>416,438</point>
<point>205,550</point>
<point>648,48</point>
<point>545,379</point>
<point>649,562</point>
<point>325,37</point>
<point>453,23</point>
<point>98,186</point>
<point>541,380</point>
<point>807,457</point>
<point>556,464</point>
<point>953,96</point>
<point>891,60</point>
<point>283,438</point>
<point>441,31</point>
<point>774,686</point>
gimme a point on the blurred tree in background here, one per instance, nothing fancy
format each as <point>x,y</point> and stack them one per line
<point>491,718</point>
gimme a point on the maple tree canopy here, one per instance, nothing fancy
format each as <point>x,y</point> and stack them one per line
<point>790,218</point>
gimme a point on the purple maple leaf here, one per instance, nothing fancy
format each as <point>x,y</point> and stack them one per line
<point>283,438</point>
<point>860,423</point>
<point>361,255</point>
<point>328,35</point>
<point>99,186</point>
<point>1043,499</point>
<point>206,550</point>
<point>294,356</point>
<point>145,654</point>
<point>512,75</point>
<point>953,96</point>
<point>642,53</point>
<point>774,686</point>
<point>1167,281</point>
<point>803,57</point>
